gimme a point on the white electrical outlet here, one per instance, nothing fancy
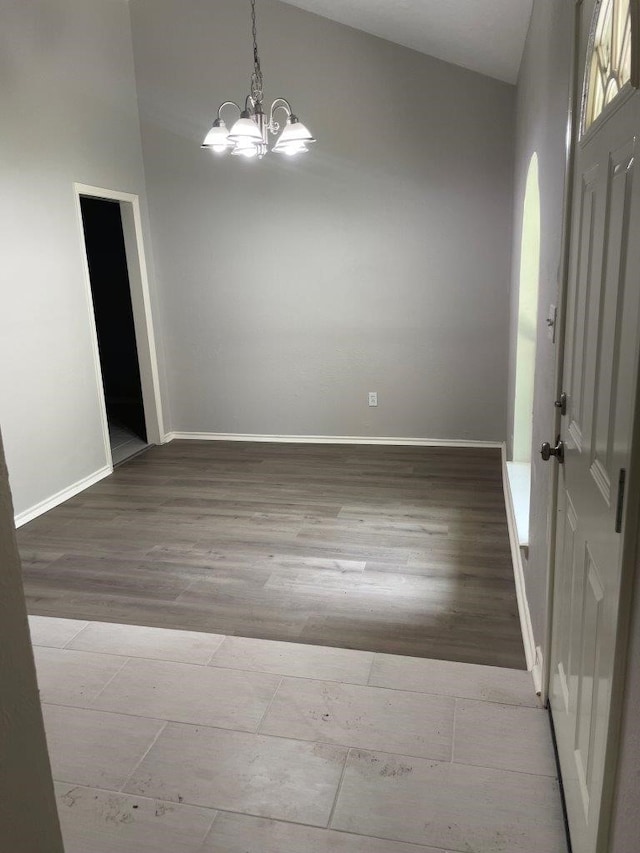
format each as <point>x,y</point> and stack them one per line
<point>373,398</point>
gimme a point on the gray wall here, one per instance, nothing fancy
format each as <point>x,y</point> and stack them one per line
<point>381,261</point>
<point>67,85</point>
<point>28,816</point>
<point>542,110</point>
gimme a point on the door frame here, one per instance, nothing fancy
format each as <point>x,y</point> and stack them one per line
<point>630,542</point>
<point>141,305</point>
<point>573,124</point>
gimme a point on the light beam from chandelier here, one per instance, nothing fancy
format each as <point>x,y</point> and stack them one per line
<point>249,134</point>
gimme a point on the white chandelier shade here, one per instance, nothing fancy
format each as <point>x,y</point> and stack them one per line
<point>218,137</point>
<point>294,138</point>
<point>249,134</point>
<point>245,148</point>
<point>245,130</point>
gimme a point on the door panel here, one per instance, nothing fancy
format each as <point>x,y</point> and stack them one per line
<point>566,547</point>
<point>599,377</point>
<point>588,683</point>
<point>615,238</point>
<point>578,310</point>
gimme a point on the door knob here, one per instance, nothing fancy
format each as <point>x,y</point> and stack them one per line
<point>546,451</point>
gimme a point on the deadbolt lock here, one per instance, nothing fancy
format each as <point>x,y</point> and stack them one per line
<point>561,403</point>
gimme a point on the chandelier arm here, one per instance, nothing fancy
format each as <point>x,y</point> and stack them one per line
<point>228,104</point>
<point>278,104</point>
<point>281,103</point>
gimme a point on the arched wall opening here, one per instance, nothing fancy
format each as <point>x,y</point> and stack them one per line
<point>527,317</point>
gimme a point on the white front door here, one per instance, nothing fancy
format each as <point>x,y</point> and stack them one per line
<point>599,378</point>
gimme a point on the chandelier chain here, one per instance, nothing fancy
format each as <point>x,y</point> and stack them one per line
<point>256,79</point>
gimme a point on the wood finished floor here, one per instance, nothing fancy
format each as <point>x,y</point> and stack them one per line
<point>402,550</point>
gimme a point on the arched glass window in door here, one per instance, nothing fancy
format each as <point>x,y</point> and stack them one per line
<point>609,62</point>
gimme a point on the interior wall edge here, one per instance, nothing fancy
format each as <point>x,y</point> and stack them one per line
<point>61,496</point>
<point>28,811</point>
<point>541,128</point>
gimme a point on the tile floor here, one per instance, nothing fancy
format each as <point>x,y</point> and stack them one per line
<point>178,742</point>
<point>124,442</point>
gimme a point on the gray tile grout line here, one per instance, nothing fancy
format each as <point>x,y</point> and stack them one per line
<point>142,657</point>
<point>108,682</point>
<point>376,687</point>
<point>338,789</point>
<point>219,811</point>
<point>453,730</point>
<point>209,665</point>
<point>91,709</point>
<point>268,708</point>
<point>373,660</point>
<point>59,648</point>
<point>329,828</point>
<point>286,675</point>
<point>301,645</point>
<point>275,737</point>
<point>77,634</point>
<point>288,642</point>
<point>300,740</point>
<point>227,668</point>
<point>455,696</point>
<point>138,656</point>
<point>409,844</point>
<point>217,648</point>
<point>146,752</point>
<point>210,830</point>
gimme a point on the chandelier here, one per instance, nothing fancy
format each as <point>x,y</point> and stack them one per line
<point>249,135</point>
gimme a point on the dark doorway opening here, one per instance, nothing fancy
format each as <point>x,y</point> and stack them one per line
<point>111,293</point>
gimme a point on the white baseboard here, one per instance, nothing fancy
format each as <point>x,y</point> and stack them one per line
<point>60,497</point>
<point>330,439</point>
<point>518,572</point>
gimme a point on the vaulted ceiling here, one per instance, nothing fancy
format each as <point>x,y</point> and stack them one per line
<point>484,35</point>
